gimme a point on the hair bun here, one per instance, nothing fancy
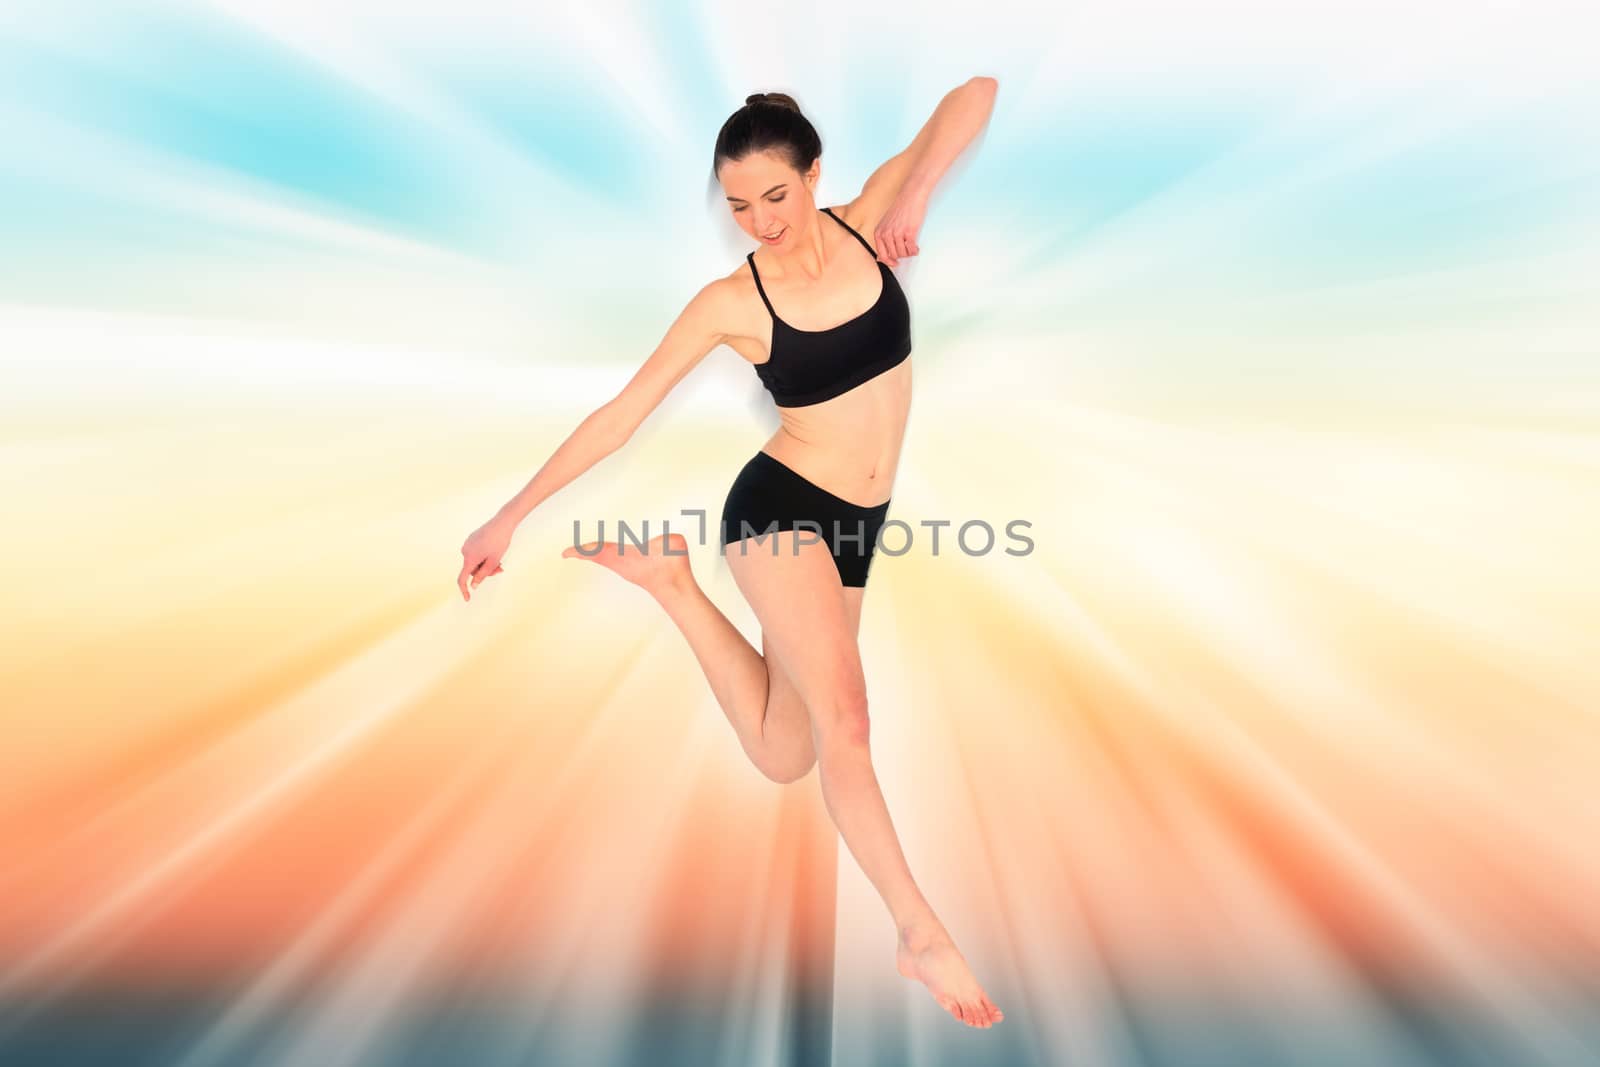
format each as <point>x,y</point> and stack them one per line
<point>778,99</point>
<point>768,122</point>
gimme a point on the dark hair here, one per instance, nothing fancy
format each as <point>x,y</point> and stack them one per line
<point>768,121</point>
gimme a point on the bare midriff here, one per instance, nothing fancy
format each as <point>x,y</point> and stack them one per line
<point>850,444</point>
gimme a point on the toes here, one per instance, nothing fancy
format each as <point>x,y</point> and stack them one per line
<point>980,1014</point>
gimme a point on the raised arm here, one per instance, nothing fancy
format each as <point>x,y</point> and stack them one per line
<point>895,198</point>
<point>694,333</point>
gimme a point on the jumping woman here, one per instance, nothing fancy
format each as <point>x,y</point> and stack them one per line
<point>818,311</point>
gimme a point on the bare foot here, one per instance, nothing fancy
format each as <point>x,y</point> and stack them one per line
<point>926,954</point>
<point>650,568</point>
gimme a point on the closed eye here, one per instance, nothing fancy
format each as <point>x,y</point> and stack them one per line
<point>774,200</point>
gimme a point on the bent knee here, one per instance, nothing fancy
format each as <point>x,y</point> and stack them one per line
<point>787,774</point>
<point>785,764</point>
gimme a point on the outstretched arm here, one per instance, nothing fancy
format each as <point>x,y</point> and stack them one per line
<point>895,198</point>
<point>688,340</point>
<point>691,336</point>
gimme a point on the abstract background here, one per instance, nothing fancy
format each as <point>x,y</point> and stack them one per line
<point>1276,323</point>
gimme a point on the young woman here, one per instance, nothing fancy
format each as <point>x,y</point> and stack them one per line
<point>822,317</point>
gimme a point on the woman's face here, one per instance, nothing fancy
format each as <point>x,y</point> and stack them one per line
<point>768,197</point>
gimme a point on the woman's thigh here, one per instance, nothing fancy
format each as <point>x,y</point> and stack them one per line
<point>809,619</point>
<point>783,694</point>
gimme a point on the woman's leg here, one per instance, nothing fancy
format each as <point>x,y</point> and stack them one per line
<point>804,613</point>
<point>753,688</point>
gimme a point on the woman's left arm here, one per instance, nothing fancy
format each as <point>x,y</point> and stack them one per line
<point>909,178</point>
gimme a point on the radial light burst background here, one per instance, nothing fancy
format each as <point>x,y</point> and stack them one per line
<point>1277,322</point>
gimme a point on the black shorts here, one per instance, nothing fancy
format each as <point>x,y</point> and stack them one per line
<point>769,496</point>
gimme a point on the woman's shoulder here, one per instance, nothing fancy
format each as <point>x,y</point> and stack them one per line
<point>735,286</point>
<point>846,213</point>
<point>732,301</point>
<point>740,290</point>
<point>856,215</point>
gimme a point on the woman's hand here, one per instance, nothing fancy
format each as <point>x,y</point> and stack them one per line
<point>896,235</point>
<point>480,554</point>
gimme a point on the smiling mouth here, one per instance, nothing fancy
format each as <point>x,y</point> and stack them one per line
<point>773,236</point>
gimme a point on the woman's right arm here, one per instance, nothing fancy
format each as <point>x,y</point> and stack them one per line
<point>689,339</point>
<point>696,331</point>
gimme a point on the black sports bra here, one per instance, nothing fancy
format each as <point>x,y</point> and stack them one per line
<point>810,366</point>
